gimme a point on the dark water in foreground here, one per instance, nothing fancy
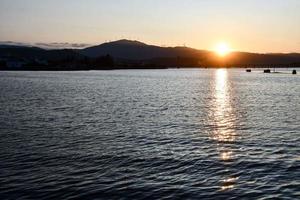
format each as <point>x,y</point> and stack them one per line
<point>149,134</point>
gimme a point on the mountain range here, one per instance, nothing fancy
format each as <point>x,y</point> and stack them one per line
<point>128,52</point>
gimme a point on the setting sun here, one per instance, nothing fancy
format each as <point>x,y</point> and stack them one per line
<point>222,49</point>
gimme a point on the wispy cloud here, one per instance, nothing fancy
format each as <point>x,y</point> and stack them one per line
<point>52,45</point>
<point>61,45</point>
<point>12,43</point>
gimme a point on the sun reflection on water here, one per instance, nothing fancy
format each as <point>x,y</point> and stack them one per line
<point>229,183</point>
<point>224,122</point>
<point>226,156</point>
<point>223,112</point>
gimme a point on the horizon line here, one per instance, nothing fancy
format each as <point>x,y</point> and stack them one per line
<point>82,45</point>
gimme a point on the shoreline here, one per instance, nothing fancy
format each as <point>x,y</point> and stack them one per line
<point>115,69</point>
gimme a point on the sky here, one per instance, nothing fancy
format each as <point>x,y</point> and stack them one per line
<point>246,25</point>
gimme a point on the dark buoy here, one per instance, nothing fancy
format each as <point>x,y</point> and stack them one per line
<point>267,71</point>
<point>294,71</point>
<point>248,70</point>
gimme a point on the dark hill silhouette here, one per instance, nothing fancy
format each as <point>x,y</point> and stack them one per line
<point>244,58</point>
<point>37,53</point>
<point>169,56</point>
<point>135,54</point>
<point>134,50</point>
<point>33,58</point>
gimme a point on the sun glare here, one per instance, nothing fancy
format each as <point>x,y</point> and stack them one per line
<point>222,49</point>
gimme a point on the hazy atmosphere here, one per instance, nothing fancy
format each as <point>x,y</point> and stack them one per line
<point>248,25</point>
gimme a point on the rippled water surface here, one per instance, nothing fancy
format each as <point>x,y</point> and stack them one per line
<point>149,134</point>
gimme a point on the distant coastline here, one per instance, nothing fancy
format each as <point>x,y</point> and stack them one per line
<point>126,54</point>
<point>66,69</point>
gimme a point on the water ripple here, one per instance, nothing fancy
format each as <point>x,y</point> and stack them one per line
<point>155,134</point>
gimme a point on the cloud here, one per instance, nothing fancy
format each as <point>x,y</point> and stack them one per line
<point>53,45</point>
<point>61,45</point>
<point>12,43</point>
